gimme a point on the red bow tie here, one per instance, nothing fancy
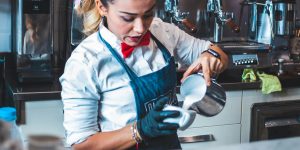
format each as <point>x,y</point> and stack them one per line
<point>127,50</point>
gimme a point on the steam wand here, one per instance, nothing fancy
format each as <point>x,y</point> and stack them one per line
<point>178,17</point>
<point>215,7</point>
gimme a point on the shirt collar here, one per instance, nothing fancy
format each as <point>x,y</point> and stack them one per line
<point>109,37</point>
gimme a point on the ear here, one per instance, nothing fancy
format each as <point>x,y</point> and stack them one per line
<point>101,8</point>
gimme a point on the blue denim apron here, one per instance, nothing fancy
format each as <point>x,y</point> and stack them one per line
<point>149,88</point>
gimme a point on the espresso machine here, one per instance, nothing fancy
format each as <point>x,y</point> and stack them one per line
<point>236,40</point>
<point>33,39</point>
<point>270,24</point>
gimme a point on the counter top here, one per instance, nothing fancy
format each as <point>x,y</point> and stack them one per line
<point>244,85</point>
<point>32,91</point>
<point>278,144</point>
<point>16,93</point>
<point>51,90</point>
<point>232,80</point>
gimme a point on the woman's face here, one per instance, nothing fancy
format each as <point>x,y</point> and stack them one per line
<point>129,20</point>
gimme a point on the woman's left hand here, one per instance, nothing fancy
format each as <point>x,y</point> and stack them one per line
<point>209,65</point>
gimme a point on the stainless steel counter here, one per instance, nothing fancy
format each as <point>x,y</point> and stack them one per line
<point>17,94</point>
<point>232,80</point>
<point>279,144</point>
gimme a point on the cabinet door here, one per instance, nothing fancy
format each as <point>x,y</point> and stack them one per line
<point>222,135</point>
<point>231,113</point>
<point>255,96</point>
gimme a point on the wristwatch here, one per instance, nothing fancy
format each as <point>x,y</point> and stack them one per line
<point>212,52</point>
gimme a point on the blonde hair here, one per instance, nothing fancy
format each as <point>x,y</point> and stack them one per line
<point>91,17</point>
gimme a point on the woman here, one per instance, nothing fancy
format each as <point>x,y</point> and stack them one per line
<point>114,99</point>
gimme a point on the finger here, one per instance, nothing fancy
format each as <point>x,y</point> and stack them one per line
<point>221,67</point>
<point>207,73</point>
<point>192,69</point>
<point>189,71</point>
<point>216,70</point>
<point>166,114</point>
<point>218,67</point>
<point>168,126</point>
<point>213,64</point>
<point>159,105</point>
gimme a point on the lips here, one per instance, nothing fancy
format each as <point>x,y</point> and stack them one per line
<point>134,38</point>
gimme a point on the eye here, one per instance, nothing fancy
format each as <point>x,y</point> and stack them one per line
<point>148,15</point>
<point>127,19</point>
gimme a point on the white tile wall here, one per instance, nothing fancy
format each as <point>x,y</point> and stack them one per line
<point>5,26</point>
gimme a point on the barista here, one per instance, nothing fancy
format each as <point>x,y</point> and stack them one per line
<point>117,81</point>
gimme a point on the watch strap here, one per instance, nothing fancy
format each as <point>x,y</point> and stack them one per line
<point>212,52</point>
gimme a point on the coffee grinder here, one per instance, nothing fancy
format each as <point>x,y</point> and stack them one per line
<point>284,29</point>
<point>33,39</point>
<point>284,20</point>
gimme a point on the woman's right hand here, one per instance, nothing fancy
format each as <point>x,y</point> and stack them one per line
<point>152,124</point>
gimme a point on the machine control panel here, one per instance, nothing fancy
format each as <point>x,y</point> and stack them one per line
<point>244,59</point>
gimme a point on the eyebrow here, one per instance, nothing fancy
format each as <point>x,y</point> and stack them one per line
<point>134,14</point>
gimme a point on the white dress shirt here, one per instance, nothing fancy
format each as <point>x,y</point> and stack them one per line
<point>95,88</point>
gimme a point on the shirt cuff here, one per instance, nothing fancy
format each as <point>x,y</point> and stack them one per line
<point>76,138</point>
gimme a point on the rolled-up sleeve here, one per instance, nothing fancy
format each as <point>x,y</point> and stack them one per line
<point>187,48</point>
<point>80,95</point>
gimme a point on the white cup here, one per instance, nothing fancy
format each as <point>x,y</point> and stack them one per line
<point>184,120</point>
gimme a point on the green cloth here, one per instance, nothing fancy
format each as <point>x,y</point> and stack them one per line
<point>248,74</point>
<point>270,83</point>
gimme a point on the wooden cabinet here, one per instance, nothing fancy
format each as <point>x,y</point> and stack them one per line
<point>222,135</point>
<point>231,114</point>
<point>232,125</point>
<point>224,127</point>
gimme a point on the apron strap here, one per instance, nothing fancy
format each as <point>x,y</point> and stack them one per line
<point>131,74</point>
<point>165,52</point>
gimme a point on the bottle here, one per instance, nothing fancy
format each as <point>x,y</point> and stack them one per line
<point>8,117</point>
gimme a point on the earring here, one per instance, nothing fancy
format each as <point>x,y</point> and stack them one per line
<point>104,20</point>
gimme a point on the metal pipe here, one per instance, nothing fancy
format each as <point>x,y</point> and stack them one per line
<point>215,7</point>
<point>173,15</point>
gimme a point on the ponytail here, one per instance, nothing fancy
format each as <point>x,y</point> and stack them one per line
<point>90,15</point>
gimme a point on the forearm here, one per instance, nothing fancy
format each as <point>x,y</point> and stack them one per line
<point>118,139</point>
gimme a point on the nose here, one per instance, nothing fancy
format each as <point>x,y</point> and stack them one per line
<point>139,26</point>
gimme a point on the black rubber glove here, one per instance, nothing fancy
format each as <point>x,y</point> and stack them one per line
<point>152,124</point>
